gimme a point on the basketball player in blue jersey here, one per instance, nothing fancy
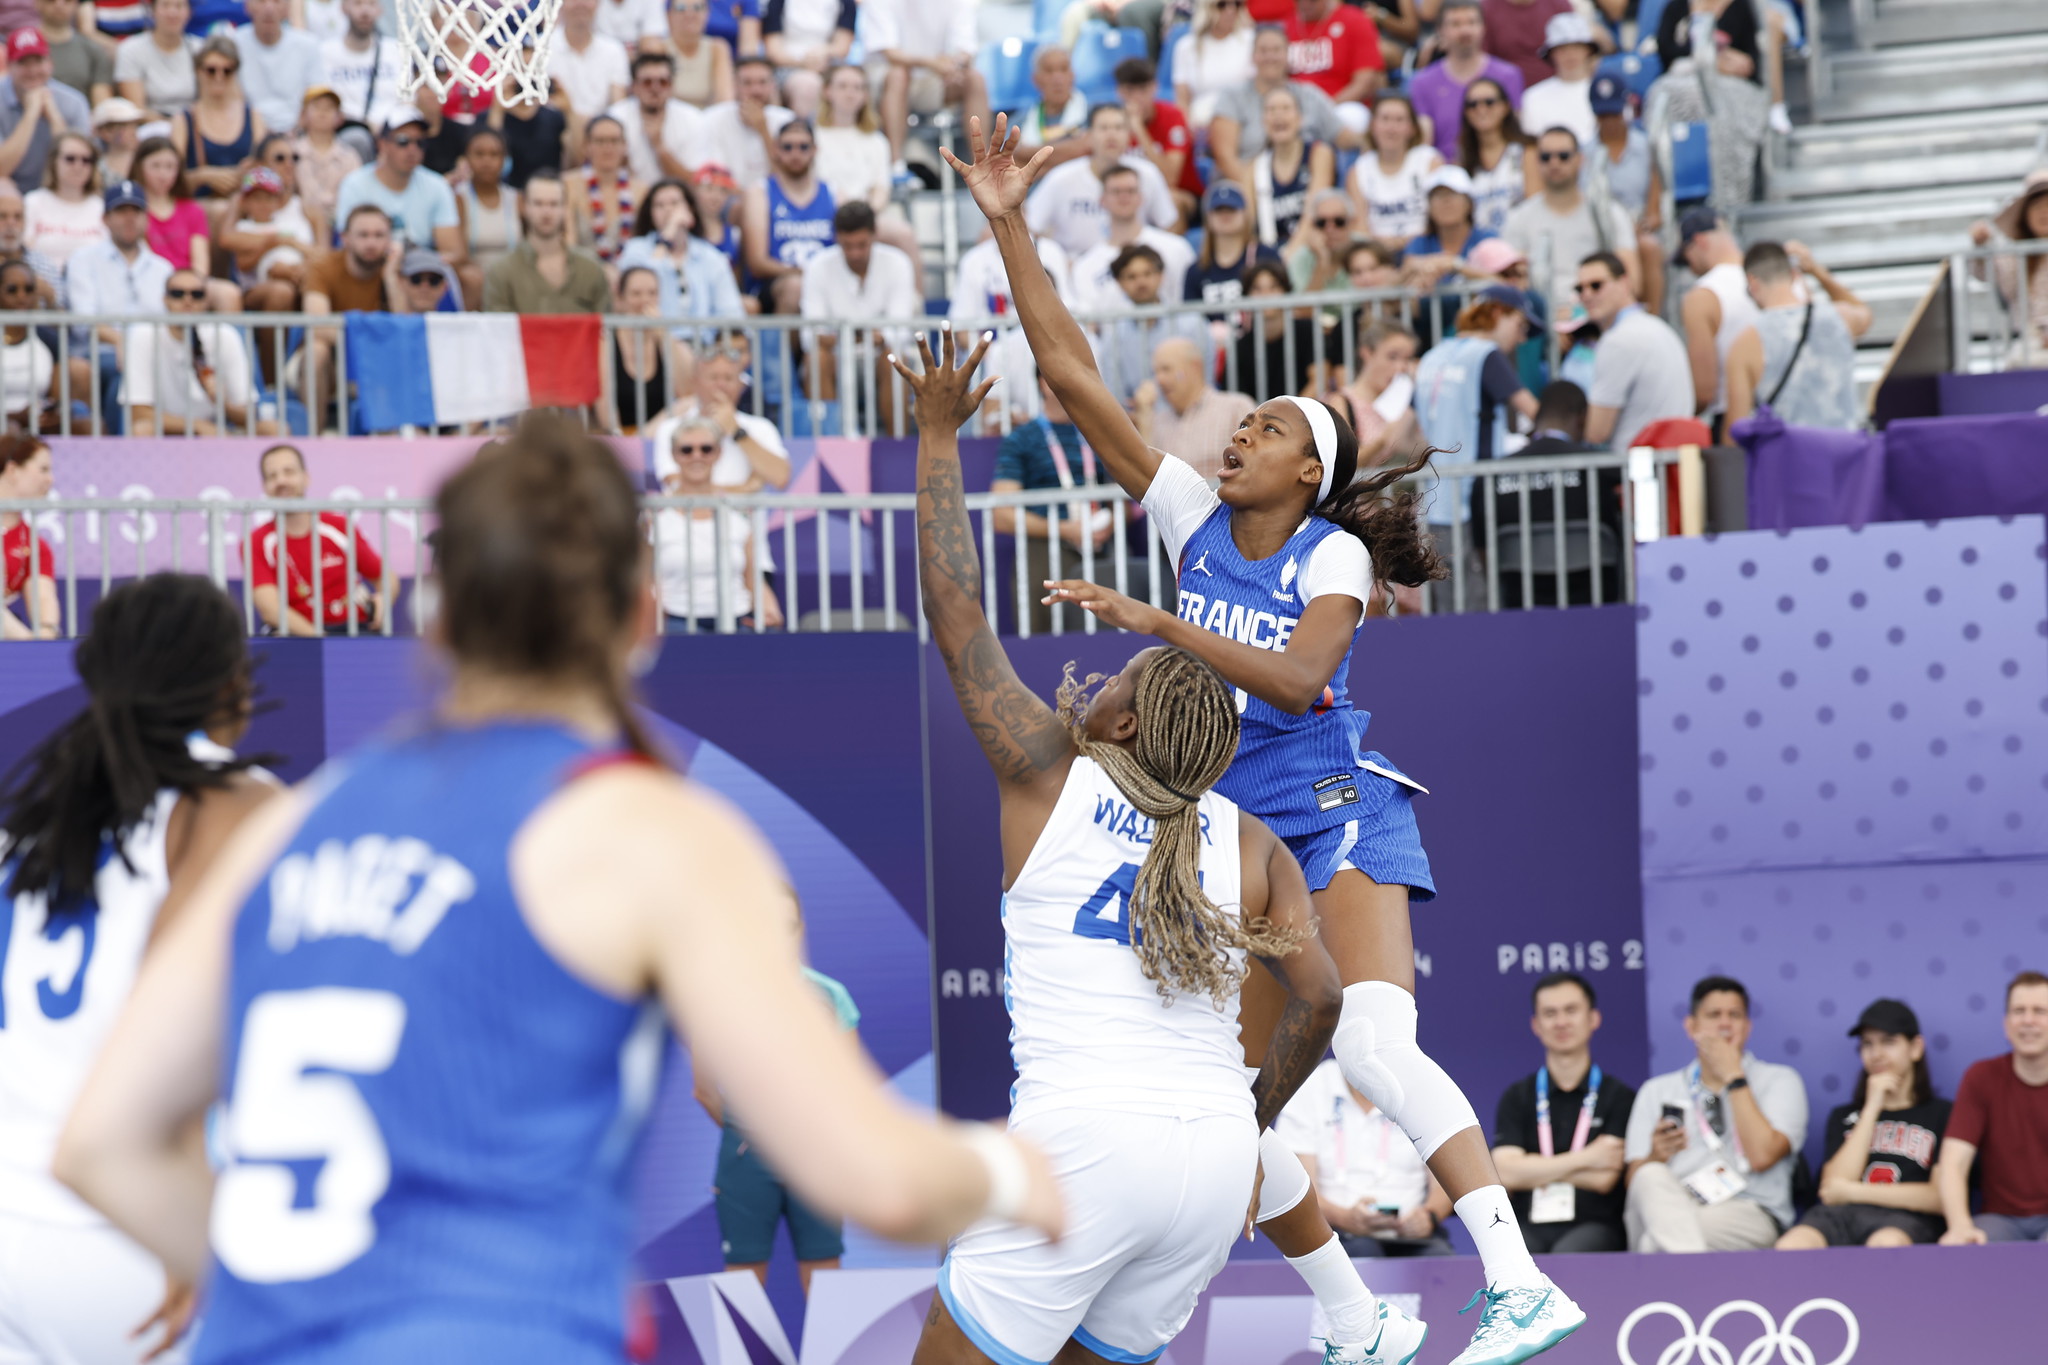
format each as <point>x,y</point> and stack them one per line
<point>419,985</point>
<point>1274,574</point>
<point>104,830</point>
<point>1133,894</point>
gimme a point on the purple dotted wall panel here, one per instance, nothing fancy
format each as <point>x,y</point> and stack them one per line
<point>1834,696</point>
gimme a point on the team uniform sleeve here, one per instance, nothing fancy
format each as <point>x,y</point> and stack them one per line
<point>1339,566</point>
<point>1178,501</point>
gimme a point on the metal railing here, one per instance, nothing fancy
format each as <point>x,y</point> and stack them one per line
<point>2018,338</point>
<point>842,561</point>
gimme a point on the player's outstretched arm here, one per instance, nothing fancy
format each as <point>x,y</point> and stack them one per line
<point>1273,885</point>
<point>1025,742</point>
<point>1061,348</point>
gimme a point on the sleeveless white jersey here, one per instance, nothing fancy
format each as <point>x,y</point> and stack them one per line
<point>1088,1028</point>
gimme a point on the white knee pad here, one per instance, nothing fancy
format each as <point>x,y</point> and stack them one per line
<point>1375,1046</point>
<point>1285,1182</point>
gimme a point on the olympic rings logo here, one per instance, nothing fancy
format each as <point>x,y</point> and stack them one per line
<point>1775,1343</point>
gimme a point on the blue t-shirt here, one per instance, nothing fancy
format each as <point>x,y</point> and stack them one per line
<point>1025,456</point>
<point>426,203</point>
<point>722,20</point>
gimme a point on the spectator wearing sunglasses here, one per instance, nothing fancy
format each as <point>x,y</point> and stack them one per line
<point>218,133</point>
<point>28,372</point>
<point>1560,226</point>
<point>66,213</point>
<point>1439,89</point>
<point>424,279</point>
<point>1641,373</point>
<point>662,132</point>
<point>692,550</point>
<point>115,275</point>
<point>419,203</point>
<point>1494,151</point>
<point>33,109</point>
<point>192,378</point>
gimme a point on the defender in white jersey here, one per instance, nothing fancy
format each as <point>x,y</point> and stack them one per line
<point>1135,896</point>
<point>102,832</point>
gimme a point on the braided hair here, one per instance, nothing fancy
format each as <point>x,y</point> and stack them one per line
<point>1187,736</point>
<point>165,657</point>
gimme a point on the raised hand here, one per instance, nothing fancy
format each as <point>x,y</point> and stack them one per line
<point>1113,607</point>
<point>945,399</point>
<point>999,185</point>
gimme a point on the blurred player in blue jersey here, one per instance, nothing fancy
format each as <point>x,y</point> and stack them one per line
<point>420,984</point>
<point>1274,575</point>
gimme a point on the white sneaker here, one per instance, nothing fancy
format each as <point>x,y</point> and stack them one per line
<point>1519,1323</point>
<point>1781,122</point>
<point>1400,1338</point>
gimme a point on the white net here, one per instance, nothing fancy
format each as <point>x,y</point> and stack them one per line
<point>478,45</point>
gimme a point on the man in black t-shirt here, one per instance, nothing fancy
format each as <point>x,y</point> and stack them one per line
<point>1875,1186</point>
<point>1562,1164</point>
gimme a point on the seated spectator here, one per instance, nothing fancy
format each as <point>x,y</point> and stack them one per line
<point>1238,130</point>
<point>1593,533</point>
<point>642,362</point>
<point>1277,351</point>
<point>1124,346</point>
<point>1711,1146</point>
<point>737,134</point>
<point>753,455</point>
<point>704,64</point>
<point>544,273</point>
<point>858,277</point>
<point>1374,1190</point>
<point>1640,371</point>
<point>605,192</point>
<point>28,570</point>
<point>922,52</point>
<point>639,24</point>
<point>1335,48</point>
<point>67,211</point>
<point>154,70</point>
<point>118,275</point>
<point>1179,411</point>
<point>1518,32</point>
<point>114,125</point>
<point>591,68</point>
<point>1066,204</point>
<point>1315,258</point>
<point>418,202</point>
<point>33,110</point>
<point>1388,181</point>
<point>14,245</point>
<point>1450,232</point>
<point>193,378</point>
<point>536,134</point>
<point>1229,247</point>
<point>1439,89</point>
<point>1288,171</point>
<point>360,277</point>
<point>488,207</point>
<point>425,281</point>
<point>1211,57</point>
<point>2001,1116</point>
<point>1877,1181</point>
<point>693,278</point>
<point>1494,151</point>
<point>1561,226</point>
<point>691,567</point>
<point>219,131</point>
<point>1726,92</point>
<point>365,69</point>
<point>1379,397</point>
<point>1049,453</point>
<point>1058,118</point>
<point>28,370</point>
<point>1567,1197</point>
<point>981,295</point>
<point>1123,204</point>
<point>661,131</point>
<point>787,220</point>
<point>736,23</point>
<point>1798,355</point>
<point>805,39</point>
<point>1565,99</point>
<point>1717,309</point>
<point>76,60</point>
<point>1466,388</point>
<point>325,159</point>
<point>278,153</point>
<point>853,157</point>
<point>2024,218</point>
<point>283,64</point>
<point>1160,131</point>
<point>270,245</point>
<point>718,208</point>
<point>313,600</point>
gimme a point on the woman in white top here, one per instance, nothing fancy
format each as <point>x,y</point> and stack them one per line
<point>688,565</point>
<point>154,68</point>
<point>1387,181</point>
<point>1495,153</point>
<point>853,156</point>
<point>67,211</point>
<point>189,380</point>
<point>1213,56</point>
<point>489,207</point>
<point>27,370</point>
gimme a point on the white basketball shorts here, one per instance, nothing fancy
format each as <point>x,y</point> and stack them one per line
<point>70,1295</point>
<point>1153,1206</point>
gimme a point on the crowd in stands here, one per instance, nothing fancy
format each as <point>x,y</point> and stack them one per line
<point>1709,1157</point>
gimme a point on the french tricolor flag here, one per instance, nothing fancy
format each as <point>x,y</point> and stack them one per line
<point>438,369</point>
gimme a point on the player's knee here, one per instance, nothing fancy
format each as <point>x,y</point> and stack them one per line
<point>1376,1047</point>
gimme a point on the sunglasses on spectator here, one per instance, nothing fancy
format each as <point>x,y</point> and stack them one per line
<point>217,70</point>
<point>1586,287</point>
<point>1222,5</point>
<point>1483,102</point>
<point>292,157</point>
<point>795,146</point>
<point>682,449</point>
<point>406,140</point>
<point>1548,157</point>
<point>425,278</point>
<point>656,78</point>
<point>75,159</point>
<point>17,288</point>
<point>188,295</point>
<point>1333,222</point>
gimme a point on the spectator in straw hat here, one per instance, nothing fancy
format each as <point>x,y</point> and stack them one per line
<point>115,123</point>
<point>2023,219</point>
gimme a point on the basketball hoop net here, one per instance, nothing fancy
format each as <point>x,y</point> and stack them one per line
<point>478,46</point>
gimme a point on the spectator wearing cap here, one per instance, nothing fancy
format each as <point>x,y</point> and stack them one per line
<point>1565,99</point>
<point>1498,261</point>
<point>281,63</point>
<point>365,69</point>
<point>34,109</point>
<point>1798,353</point>
<point>1439,89</point>
<point>1877,1178</point>
<point>544,273</point>
<point>114,125</point>
<point>1336,48</point>
<point>423,283</point>
<point>858,277</point>
<point>1717,309</point>
<point>1123,205</point>
<point>75,59</point>
<point>1124,347</point>
<point>325,158</point>
<point>717,195</point>
<point>1449,235</point>
<point>661,131</point>
<point>1999,1126</point>
<point>1179,411</point>
<point>1238,130</point>
<point>1620,158</point>
<point>271,241</point>
<point>419,202</point>
<point>67,211</point>
<point>117,275</point>
<point>1518,32</point>
<point>1641,373</point>
<point>1160,131</point>
<point>1561,226</point>
<point>154,69</point>
<point>1229,247</point>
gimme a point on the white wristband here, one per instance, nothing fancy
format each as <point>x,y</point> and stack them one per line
<point>1009,1179</point>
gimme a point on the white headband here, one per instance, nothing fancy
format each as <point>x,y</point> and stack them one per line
<point>1324,426</point>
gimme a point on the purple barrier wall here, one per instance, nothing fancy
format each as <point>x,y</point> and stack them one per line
<point>1916,469</point>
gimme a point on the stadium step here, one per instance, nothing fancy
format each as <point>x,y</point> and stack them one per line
<point>1899,22</point>
<point>1937,77</point>
<point>1894,291</point>
<point>1872,155</point>
<point>1894,228</point>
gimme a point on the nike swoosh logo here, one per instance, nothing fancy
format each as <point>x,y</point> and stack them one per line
<point>1524,1319</point>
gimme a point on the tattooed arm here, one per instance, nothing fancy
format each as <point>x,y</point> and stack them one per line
<point>1273,885</point>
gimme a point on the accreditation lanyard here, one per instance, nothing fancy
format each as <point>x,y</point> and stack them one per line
<point>1058,452</point>
<point>1699,1113</point>
<point>1544,1142</point>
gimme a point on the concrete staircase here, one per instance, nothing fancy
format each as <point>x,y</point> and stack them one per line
<point>1922,116</point>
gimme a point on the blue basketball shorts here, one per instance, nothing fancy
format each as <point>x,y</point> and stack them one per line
<point>1385,844</point>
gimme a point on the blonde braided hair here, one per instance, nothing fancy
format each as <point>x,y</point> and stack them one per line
<point>1187,736</point>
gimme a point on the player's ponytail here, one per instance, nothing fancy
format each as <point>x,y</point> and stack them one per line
<point>1187,735</point>
<point>165,657</point>
<point>541,563</point>
<point>1390,524</point>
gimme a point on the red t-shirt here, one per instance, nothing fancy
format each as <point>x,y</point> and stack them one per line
<point>14,547</point>
<point>334,584</point>
<point>1271,11</point>
<point>1328,54</point>
<point>1169,129</point>
<point>2006,1120</point>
